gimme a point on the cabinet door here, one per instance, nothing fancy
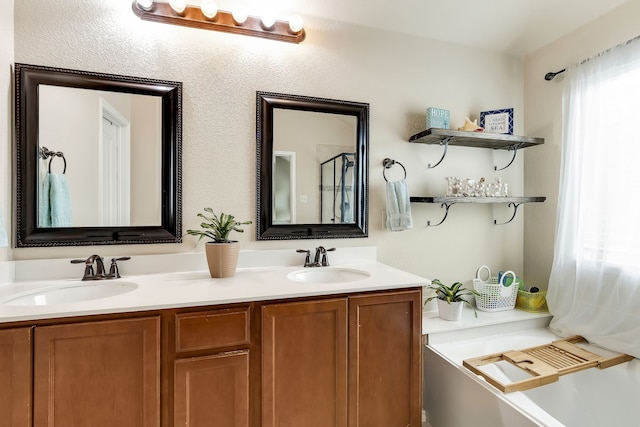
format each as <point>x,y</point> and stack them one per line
<point>98,374</point>
<point>304,364</point>
<point>15,377</point>
<point>384,360</point>
<point>212,391</point>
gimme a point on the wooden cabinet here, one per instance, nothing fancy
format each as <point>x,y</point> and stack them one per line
<point>347,361</point>
<point>104,373</point>
<point>212,388</point>
<point>212,391</point>
<point>15,377</point>
<point>385,360</point>
<point>304,364</point>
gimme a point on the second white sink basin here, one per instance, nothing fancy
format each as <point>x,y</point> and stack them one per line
<point>327,275</point>
<point>70,293</point>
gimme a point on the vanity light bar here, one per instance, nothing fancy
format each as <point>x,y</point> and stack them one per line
<point>192,16</point>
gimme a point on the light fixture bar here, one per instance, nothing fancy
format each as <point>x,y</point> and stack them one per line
<point>223,21</point>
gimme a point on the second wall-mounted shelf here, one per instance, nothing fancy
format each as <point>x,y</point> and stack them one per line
<point>448,137</point>
<point>447,202</point>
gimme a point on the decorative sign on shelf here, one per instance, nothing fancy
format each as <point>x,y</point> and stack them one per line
<point>438,118</point>
<point>497,121</point>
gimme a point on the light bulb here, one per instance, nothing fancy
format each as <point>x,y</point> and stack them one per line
<point>145,4</point>
<point>295,24</point>
<point>268,20</point>
<point>209,8</point>
<point>240,15</point>
<point>178,5</point>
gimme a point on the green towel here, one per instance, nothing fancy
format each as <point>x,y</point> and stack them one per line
<point>55,201</point>
<point>44,208</point>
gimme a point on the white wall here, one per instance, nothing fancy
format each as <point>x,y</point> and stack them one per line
<point>6,120</point>
<point>398,75</point>
<point>543,118</point>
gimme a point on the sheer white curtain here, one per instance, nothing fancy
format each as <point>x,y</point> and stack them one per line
<point>594,288</point>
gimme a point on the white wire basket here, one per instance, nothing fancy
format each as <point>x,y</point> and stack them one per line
<point>494,294</point>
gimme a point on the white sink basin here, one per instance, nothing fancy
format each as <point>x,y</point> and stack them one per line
<point>70,293</point>
<point>327,275</point>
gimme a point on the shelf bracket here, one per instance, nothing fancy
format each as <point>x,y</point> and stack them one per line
<point>515,211</point>
<point>445,142</point>
<point>446,206</point>
<point>515,152</point>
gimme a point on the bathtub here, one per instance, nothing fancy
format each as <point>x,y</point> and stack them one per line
<point>455,397</point>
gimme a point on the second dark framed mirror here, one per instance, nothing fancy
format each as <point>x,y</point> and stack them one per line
<point>312,167</point>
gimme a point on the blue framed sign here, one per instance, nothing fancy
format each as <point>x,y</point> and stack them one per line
<point>497,121</point>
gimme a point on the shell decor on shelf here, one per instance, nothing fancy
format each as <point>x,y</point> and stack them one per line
<point>471,126</point>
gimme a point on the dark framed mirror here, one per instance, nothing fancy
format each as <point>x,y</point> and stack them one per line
<point>312,167</point>
<point>98,158</point>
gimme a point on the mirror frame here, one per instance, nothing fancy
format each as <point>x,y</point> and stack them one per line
<point>266,229</point>
<point>28,234</point>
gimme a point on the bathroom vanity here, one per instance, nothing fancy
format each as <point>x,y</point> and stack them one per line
<point>258,349</point>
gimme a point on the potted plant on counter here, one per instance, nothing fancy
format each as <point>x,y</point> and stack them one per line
<point>450,299</point>
<point>222,253</point>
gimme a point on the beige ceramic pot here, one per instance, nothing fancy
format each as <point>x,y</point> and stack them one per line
<point>222,258</point>
<point>451,311</point>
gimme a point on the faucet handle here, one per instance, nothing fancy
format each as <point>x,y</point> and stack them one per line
<point>113,270</point>
<point>307,259</point>
<point>88,268</point>
<point>325,259</point>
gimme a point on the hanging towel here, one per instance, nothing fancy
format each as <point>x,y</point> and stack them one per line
<point>44,207</point>
<point>54,208</point>
<point>398,206</point>
<point>3,233</point>
<point>59,200</point>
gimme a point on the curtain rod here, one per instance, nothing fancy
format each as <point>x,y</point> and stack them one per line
<point>550,76</point>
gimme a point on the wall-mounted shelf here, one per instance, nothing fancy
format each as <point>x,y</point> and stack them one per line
<point>448,137</point>
<point>447,202</point>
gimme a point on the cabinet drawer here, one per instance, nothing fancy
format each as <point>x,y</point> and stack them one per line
<point>210,330</point>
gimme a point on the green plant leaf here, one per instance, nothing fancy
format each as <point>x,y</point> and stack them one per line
<point>217,228</point>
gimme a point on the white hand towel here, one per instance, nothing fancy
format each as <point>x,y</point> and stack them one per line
<point>398,206</point>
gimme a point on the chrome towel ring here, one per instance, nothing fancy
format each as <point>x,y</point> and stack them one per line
<point>388,164</point>
<point>45,154</point>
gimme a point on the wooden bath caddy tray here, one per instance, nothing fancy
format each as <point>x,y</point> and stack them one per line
<point>545,363</point>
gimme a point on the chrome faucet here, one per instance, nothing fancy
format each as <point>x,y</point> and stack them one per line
<point>316,260</point>
<point>99,272</point>
<point>324,261</point>
<point>320,259</point>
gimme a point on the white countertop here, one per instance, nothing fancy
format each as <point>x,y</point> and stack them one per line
<point>487,323</point>
<point>196,288</point>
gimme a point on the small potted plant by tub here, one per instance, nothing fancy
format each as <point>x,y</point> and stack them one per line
<point>450,299</point>
<point>222,253</point>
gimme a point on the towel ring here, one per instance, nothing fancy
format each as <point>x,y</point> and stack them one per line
<point>58,154</point>
<point>388,164</point>
<point>45,153</point>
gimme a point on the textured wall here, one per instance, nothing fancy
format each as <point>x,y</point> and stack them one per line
<point>398,75</point>
<point>6,102</point>
<point>544,118</point>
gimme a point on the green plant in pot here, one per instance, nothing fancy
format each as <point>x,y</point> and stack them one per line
<point>450,299</point>
<point>222,253</point>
